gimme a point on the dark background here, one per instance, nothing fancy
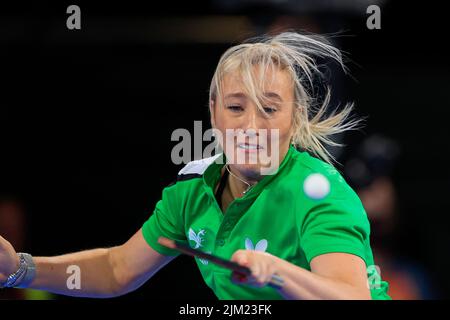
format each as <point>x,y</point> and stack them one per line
<point>86,115</point>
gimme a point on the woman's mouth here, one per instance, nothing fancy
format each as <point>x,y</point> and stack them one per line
<point>248,147</point>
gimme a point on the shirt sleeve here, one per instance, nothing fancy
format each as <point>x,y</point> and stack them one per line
<point>335,225</point>
<point>167,221</point>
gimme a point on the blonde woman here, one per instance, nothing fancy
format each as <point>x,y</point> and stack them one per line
<point>300,222</point>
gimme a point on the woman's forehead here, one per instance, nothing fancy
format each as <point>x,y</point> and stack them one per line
<point>277,82</point>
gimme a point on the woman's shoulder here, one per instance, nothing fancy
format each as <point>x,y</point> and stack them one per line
<point>314,175</point>
<point>306,164</point>
<point>320,188</point>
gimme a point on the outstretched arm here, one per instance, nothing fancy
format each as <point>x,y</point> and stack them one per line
<point>103,272</point>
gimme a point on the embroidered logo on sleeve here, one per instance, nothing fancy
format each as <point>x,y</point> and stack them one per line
<point>196,237</point>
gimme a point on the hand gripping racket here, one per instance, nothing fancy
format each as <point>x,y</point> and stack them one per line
<point>276,282</point>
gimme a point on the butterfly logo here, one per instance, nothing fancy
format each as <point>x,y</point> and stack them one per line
<point>196,237</point>
<point>261,245</point>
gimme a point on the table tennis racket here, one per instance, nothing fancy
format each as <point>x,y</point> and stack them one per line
<point>276,281</point>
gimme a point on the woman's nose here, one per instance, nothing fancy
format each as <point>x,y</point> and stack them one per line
<point>251,122</point>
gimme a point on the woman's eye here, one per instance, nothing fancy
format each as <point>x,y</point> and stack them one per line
<point>269,110</point>
<point>235,108</point>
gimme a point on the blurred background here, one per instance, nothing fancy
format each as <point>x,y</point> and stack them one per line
<point>86,118</point>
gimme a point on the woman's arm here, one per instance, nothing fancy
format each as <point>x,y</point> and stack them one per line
<point>103,272</point>
<point>332,275</point>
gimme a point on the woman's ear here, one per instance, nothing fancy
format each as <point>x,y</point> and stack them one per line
<point>212,113</point>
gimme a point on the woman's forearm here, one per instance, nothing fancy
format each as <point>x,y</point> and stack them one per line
<point>300,283</point>
<point>95,269</point>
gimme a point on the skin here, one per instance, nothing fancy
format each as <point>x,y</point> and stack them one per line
<point>105,273</point>
<point>118,270</point>
<point>239,113</point>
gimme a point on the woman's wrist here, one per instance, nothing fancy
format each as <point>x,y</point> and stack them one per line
<point>284,269</point>
<point>24,273</point>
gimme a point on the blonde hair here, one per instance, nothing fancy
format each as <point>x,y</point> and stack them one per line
<point>297,53</point>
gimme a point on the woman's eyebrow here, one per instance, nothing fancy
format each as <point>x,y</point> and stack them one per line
<point>273,95</point>
<point>236,95</point>
<point>270,94</point>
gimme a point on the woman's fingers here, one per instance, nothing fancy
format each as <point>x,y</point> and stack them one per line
<point>241,257</point>
<point>261,266</point>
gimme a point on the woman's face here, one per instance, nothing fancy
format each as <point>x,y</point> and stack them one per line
<point>250,136</point>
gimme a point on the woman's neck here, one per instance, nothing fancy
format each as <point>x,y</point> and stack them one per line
<point>238,184</point>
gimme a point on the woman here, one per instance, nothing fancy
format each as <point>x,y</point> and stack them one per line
<point>261,203</point>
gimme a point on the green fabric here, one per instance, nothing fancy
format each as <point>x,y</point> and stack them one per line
<point>276,211</point>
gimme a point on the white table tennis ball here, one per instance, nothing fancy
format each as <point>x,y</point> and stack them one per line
<point>316,186</point>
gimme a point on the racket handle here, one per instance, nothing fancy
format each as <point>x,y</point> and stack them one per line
<point>276,282</point>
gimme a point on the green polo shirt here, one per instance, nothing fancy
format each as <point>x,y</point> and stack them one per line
<point>276,216</point>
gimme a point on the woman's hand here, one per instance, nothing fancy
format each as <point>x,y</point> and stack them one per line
<point>9,260</point>
<point>261,264</point>
<point>332,275</point>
